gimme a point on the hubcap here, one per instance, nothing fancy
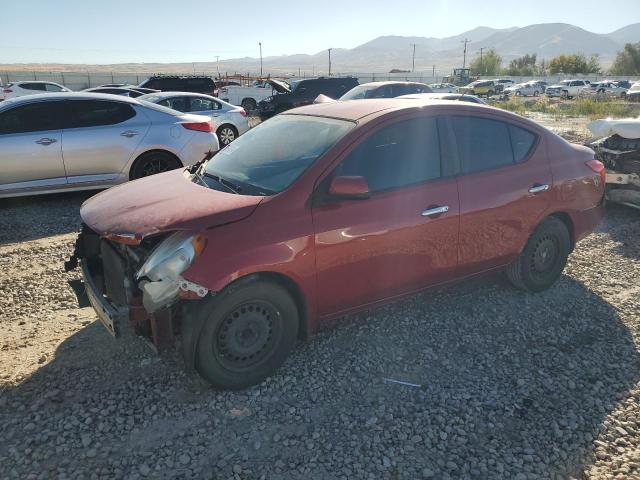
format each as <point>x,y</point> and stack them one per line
<point>544,255</point>
<point>246,335</point>
<point>153,166</point>
<point>227,136</point>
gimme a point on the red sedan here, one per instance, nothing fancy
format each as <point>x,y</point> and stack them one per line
<point>326,210</point>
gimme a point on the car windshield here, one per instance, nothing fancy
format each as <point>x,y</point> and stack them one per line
<point>358,93</point>
<point>270,157</point>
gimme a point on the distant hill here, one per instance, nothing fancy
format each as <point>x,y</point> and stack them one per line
<point>387,52</point>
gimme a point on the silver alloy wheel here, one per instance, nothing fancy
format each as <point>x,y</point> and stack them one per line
<point>226,135</point>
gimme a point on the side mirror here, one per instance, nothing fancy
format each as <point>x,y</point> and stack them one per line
<point>349,188</point>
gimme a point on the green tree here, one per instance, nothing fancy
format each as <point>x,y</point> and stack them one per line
<point>489,64</point>
<point>627,61</point>
<point>574,64</point>
<point>523,66</point>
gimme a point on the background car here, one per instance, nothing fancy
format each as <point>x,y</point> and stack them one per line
<point>125,92</point>
<point>524,89</point>
<point>443,87</point>
<point>479,87</point>
<point>84,141</point>
<point>385,90</point>
<point>333,208</point>
<point>633,94</point>
<point>567,88</point>
<point>502,83</point>
<point>20,89</point>
<point>608,87</point>
<point>181,83</point>
<point>303,92</point>
<point>462,97</point>
<point>229,121</point>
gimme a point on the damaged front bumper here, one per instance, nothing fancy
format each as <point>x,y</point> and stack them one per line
<point>121,302</point>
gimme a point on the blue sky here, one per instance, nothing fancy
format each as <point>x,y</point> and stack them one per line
<point>114,31</point>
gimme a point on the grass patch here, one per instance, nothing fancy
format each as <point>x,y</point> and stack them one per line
<point>580,107</point>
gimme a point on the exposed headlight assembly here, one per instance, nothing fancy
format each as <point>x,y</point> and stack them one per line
<point>159,276</point>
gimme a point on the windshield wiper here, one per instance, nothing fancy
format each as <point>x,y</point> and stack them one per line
<point>224,182</point>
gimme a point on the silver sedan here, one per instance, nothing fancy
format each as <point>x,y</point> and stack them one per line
<point>83,141</point>
<point>230,121</point>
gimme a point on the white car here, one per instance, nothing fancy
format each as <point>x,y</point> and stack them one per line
<point>443,88</point>
<point>229,121</point>
<point>524,89</point>
<point>609,88</point>
<point>64,142</point>
<point>249,97</point>
<point>20,89</point>
<point>567,88</point>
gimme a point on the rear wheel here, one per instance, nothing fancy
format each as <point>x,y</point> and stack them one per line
<point>544,257</point>
<point>490,93</point>
<point>227,134</point>
<point>536,93</point>
<point>248,333</point>
<point>151,163</point>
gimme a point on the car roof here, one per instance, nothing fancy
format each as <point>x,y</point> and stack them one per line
<point>68,96</point>
<point>178,94</point>
<point>389,82</point>
<point>354,110</point>
<point>33,81</point>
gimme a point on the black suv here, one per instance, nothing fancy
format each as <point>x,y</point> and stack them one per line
<point>303,92</point>
<point>181,83</point>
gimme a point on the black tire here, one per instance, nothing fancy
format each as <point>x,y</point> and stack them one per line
<point>518,93</point>
<point>490,93</point>
<point>536,93</point>
<point>249,104</point>
<point>226,134</point>
<point>248,333</point>
<point>543,258</point>
<point>151,163</point>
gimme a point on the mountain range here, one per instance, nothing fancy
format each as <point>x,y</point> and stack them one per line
<point>388,52</point>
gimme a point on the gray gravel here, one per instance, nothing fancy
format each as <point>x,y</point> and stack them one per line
<point>507,385</point>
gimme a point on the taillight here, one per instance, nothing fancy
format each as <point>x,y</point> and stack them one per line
<point>8,91</point>
<point>598,167</point>
<point>198,126</point>
<point>243,112</point>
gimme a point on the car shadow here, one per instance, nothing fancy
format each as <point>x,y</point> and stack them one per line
<point>503,380</point>
<point>34,217</point>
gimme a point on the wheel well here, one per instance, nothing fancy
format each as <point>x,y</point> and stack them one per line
<point>566,219</point>
<point>248,99</point>
<point>288,284</point>
<point>152,151</point>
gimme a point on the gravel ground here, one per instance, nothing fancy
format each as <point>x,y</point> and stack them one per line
<point>503,384</point>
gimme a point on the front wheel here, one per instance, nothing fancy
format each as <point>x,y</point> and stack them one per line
<point>543,258</point>
<point>227,134</point>
<point>248,333</point>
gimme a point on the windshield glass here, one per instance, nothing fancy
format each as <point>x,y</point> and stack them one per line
<point>268,158</point>
<point>358,93</point>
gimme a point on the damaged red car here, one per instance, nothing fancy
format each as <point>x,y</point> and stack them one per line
<point>330,209</point>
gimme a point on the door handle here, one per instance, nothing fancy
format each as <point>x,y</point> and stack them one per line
<point>538,188</point>
<point>46,141</point>
<point>129,133</point>
<point>435,211</point>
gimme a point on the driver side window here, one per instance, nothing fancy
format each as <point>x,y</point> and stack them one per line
<point>401,154</point>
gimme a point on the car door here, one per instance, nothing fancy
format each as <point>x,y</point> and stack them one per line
<point>503,186</point>
<point>100,138</point>
<point>400,239</point>
<point>30,147</point>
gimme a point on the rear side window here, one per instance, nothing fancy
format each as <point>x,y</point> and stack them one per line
<point>177,103</point>
<point>201,104</point>
<point>521,141</point>
<point>95,113</point>
<point>405,153</point>
<point>33,86</point>
<point>50,87</point>
<point>199,84</point>
<point>34,117</point>
<point>484,144</point>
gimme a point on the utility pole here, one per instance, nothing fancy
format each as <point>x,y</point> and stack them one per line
<point>413,58</point>
<point>218,65</point>
<point>464,58</point>
<point>481,64</point>
<point>260,44</point>
<point>330,61</point>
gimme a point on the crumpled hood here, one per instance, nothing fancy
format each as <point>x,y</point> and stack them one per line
<point>163,202</point>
